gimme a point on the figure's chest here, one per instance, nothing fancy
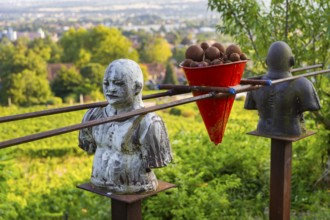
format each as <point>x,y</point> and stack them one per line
<point>112,135</point>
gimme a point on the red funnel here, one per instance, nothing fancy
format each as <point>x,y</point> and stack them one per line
<point>215,112</point>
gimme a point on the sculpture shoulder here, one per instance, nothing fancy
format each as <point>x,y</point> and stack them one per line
<point>152,125</point>
<point>86,140</point>
<point>303,87</point>
<point>306,95</point>
<point>93,114</point>
<point>302,82</point>
<point>151,118</point>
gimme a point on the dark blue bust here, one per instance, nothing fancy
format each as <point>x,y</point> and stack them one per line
<point>281,105</point>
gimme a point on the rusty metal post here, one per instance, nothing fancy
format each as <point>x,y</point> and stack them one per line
<point>126,207</point>
<point>125,211</point>
<point>280,179</point>
<point>280,173</point>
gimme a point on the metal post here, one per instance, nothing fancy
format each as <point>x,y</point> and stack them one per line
<point>280,173</point>
<point>126,207</point>
<point>126,211</point>
<point>280,179</point>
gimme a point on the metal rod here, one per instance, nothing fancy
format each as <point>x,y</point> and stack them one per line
<point>307,68</point>
<point>255,82</point>
<point>197,88</point>
<point>230,90</point>
<point>296,70</point>
<point>51,111</point>
<point>239,89</point>
<point>245,88</point>
<point>299,76</point>
<point>78,107</point>
<point>162,94</point>
<point>120,117</point>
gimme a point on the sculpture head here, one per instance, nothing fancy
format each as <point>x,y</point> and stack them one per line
<point>122,84</point>
<point>279,60</point>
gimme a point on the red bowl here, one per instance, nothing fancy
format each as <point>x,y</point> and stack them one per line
<point>215,112</point>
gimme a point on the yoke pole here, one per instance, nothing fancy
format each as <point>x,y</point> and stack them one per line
<point>79,107</point>
<point>120,117</point>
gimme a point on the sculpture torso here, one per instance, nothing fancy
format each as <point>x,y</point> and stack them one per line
<point>125,151</point>
<point>281,106</point>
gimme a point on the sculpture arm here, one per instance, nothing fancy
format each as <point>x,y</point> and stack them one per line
<point>250,103</point>
<point>307,97</point>
<point>155,144</point>
<point>86,140</point>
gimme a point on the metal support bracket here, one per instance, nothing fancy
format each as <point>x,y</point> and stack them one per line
<point>280,174</point>
<point>126,207</point>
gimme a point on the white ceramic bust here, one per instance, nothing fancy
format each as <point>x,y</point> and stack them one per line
<point>125,151</point>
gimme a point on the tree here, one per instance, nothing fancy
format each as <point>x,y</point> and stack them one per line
<point>170,75</point>
<point>92,77</point>
<point>19,59</point>
<point>66,82</point>
<point>179,54</point>
<point>157,51</point>
<point>28,89</point>
<point>173,37</point>
<point>97,45</point>
<point>303,25</point>
<point>71,43</point>
<point>144,39</point>
<point>46,48</point>
<point>145,72</point>
<point>187,40</point>
<point>6,56</point>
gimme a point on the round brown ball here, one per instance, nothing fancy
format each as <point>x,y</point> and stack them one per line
<point>219,46</point>
<point>205,45</point>
<point>234,57</point>
<point>186,62</point>
<point>243,56</point>
<point>212,53</point>
<point>233,48</point>
<point>194,64</point>
<point>195,52</point>
<point>216,62</point>
<point>202,64</point>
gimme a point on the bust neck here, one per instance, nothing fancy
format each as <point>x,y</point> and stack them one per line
<point>111,110</point>
<point>277,74</point>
